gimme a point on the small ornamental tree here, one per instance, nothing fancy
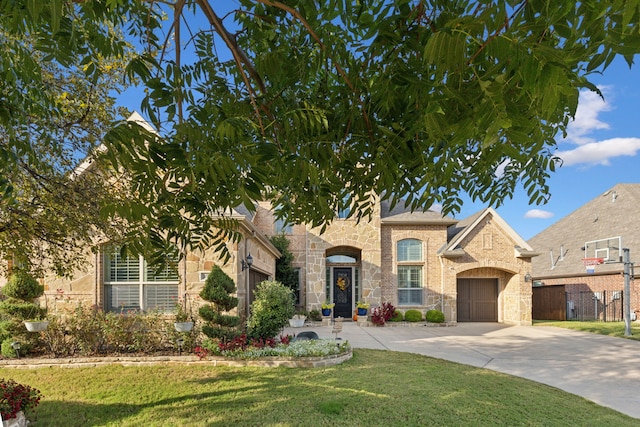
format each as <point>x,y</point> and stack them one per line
<point>217,290</point>
<point>19,305</point>
<point>271,310</point>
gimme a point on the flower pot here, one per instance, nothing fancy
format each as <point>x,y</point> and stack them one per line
<point>326,312</point>
<point>18,421</point>
<point>297,323</point>
<point>183,326</point>
<point>362,311</point>
<point>36,326</point>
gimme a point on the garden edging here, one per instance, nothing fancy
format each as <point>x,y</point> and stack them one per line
<point>84,362</point>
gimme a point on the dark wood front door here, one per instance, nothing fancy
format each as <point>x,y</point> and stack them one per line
<point>342,292</point>
<point>477,300</point>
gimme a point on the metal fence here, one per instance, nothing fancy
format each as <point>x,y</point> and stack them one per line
<point>605,306</point>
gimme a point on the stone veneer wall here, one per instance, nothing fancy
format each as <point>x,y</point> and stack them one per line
<point>489,253</point>
<point>364,236</point>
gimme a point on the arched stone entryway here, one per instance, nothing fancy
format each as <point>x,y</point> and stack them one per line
<point>343,279</point>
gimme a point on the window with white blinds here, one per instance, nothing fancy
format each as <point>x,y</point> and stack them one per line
<point>131,284</point>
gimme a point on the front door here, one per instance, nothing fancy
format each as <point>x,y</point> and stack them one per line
<point>342,292</point>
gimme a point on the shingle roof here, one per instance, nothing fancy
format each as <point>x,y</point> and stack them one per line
<point>403,215</point>
<point>613,213</point>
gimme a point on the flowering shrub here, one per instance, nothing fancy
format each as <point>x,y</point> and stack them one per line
<point>201,352</point>
<point>16,397</point>
<point>381,315</point>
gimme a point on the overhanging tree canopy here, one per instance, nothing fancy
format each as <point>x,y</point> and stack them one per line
<point>316,104</point>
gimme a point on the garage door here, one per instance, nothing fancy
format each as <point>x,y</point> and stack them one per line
<point>477,300</point>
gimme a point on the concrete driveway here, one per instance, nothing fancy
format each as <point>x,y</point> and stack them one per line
<point>602,369</point>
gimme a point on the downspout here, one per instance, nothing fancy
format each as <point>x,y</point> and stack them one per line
<point>441,283</point>
<point>246,273</point>
<point>97,277</point>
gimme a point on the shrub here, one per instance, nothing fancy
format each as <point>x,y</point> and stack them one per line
<point>397,316</point>
<point>17,397</point>
<point>412,316</point>
<point>382,314</point>
<point>271,310</point>
<point>434,316</point>
<point>314,315</point>
<point>218,290</point>
<point>23,286</point>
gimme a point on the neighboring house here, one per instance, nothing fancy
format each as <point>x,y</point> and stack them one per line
<point>566,288</point>
<point>471,270</point>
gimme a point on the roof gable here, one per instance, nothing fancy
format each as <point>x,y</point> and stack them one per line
<point>475,222</point>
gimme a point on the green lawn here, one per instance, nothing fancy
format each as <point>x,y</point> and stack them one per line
<point>614,329</point>
<point>375,388</point>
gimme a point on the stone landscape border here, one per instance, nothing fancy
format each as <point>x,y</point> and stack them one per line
<point>88,362</point>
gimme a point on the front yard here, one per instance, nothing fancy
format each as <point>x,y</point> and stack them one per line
<point>375,388</point>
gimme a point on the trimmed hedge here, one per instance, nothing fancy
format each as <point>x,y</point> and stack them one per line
<point>412,316</point>
<point>397,316</point>
<point>434,316</point>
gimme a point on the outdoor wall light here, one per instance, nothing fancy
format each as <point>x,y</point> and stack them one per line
<point>527,277</point>
<point>16,346</point>
<point>247,263</point>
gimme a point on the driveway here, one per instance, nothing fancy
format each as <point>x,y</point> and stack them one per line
<point>602,369</point>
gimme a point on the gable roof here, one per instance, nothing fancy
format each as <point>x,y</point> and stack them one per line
<point>455,235</point>
<point>611,214</point>
<point>402,215</point>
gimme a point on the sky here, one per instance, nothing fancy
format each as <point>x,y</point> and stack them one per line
<point>602,149</point>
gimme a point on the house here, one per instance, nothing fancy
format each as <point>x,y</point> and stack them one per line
<point>579,274</point>
<point>471,270</point>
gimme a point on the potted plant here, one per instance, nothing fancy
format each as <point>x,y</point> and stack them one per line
<point>326,308</point>
<point>297,321</point>
<point>362,308</point>
<point>184,319</point>
<point>16,400</point>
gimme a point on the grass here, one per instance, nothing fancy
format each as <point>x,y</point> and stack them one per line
<point>614,329</point>
<point>375,388</point>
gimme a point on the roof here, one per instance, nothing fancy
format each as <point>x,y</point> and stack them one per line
<point>610,214</point>
<point>403,215</point>
<point>455,235</point>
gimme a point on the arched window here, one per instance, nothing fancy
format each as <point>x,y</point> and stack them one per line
<point>410,272</point>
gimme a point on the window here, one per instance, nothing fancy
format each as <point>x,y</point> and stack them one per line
<point>282,227</point>
<point>131,284</point>
<point>410,272</point>
<point>345,208</point>
<point>409,250</point>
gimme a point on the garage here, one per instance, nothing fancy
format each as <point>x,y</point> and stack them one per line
<point>477,300</point>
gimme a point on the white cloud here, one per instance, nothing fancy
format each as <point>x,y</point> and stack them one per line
<point>590,105</point>
<point>538,213</point>
<point>581,148</point>
<point>600,153</point>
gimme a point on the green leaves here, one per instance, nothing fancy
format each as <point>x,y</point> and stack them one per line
<point>311,103</point>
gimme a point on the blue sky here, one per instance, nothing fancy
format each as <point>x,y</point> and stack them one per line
<point>601,150</point>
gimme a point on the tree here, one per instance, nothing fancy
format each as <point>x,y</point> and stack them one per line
<point>52,116</point>
<point>285,273</point>
<point>217,290</point>
<point>316,105</point>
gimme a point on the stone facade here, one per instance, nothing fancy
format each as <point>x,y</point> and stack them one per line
<point>486,250</point>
